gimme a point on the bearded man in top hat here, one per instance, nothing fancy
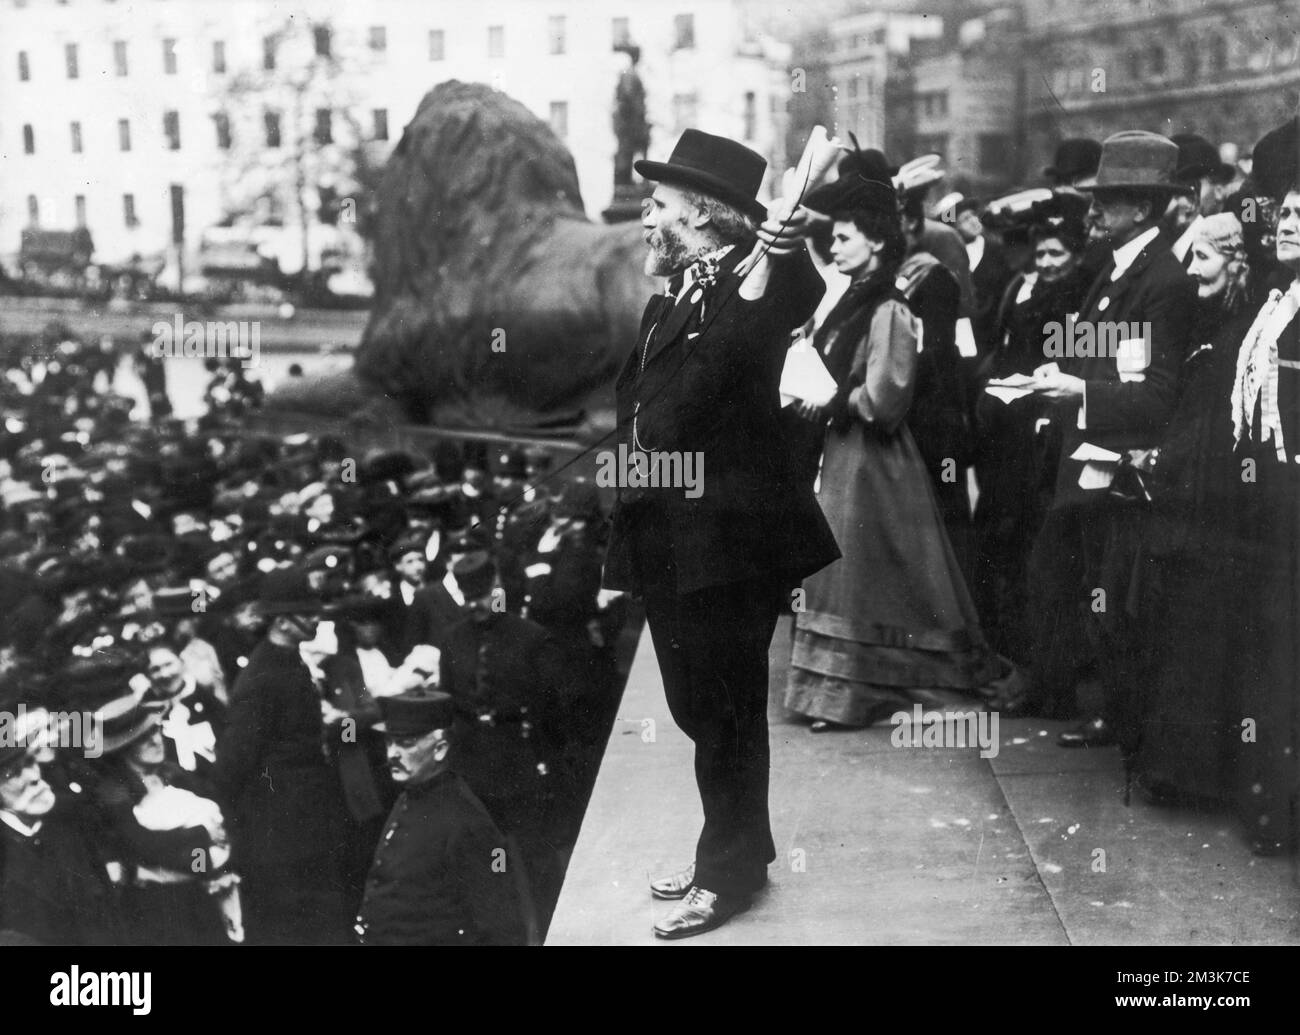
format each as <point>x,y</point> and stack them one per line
<point>1117,399</point>
<point>715,567</point>
<point>283,801</point>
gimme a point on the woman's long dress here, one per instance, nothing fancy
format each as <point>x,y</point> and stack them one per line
<point>892,623</point>
<point>1268,776</point>
<point>1197,576</point>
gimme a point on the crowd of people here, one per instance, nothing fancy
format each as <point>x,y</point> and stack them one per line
<point>260,689</point>
<point>1113,356</point>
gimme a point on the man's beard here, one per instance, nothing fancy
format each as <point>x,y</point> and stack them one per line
<point>668,253</point>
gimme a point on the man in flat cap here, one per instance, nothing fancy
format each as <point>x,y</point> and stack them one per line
<point>282,798</point>
<point>441,874</point>
<point>715,567</point>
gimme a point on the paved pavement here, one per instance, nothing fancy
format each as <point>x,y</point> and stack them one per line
<point>878,844</point>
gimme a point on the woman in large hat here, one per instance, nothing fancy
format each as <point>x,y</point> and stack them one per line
<point>178,888</point>
<point>892,623</point>
<point>1016,454</point>
<point>1265,408</point>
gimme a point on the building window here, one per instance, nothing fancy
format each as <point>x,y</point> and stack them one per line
<point>555,33</point>
<point>1218,54</point>
<point>685,111</point>
<point>219,57</point>
<point>621,32</point>
<point>29,140</point>
<point>381,123</point>
<point>119,57</point>
<point>324,132</point>
<point>128,212</point>
<point>24,69</point>
<point>172,130</point>
<point>1191,60</point>
<point>378,39</point>
<point>123,135</point>
<point>560,119</point>
<point>437,45</point>
<point>684,32</point>
<point>1156,60</point>
<point>268,53</point>
<point>33,210</point>
<point>70,59</point>
<point>1134,65</point>
<point>79,205</point>
<point>751,114</point>
<point>271,120</point>
<point>496,41</point>
<point>221,121</point>
<point>169,57</point>
<point>321,36</point>
<point>994,154</point>
<point>852,86</point>
<point>76,138</point>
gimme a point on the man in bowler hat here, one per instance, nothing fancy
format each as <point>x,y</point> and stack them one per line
<point>441,871</point>
<point>715,569</point>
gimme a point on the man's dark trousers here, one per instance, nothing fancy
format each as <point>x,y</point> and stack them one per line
<point>712,646</point>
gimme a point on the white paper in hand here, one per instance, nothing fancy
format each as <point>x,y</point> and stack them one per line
<point>805,376</point>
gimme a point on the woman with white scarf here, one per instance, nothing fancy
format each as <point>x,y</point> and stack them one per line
<point>1266,429</point>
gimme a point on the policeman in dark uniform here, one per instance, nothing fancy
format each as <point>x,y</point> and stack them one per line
<point>512,691</point>
<point>563,596</point>
<point>441,874</point>
<point>284,802</point>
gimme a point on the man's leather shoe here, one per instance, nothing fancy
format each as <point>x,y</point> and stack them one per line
<point>698,912</point>
<point>675,885</point>
<point>1096,733</point>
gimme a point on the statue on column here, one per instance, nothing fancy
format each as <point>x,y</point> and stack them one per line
<point>632,134</point>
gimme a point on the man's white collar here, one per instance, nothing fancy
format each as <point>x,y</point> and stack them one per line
<point>1125,254</point>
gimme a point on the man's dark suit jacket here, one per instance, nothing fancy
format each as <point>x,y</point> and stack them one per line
<point>709,383</point>
<point>1121,415</point>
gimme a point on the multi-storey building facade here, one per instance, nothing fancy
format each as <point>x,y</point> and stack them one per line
<point>1229,70</point>
<point>121,115</point>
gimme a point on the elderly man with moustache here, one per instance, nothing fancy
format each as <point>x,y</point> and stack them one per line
<point>441,871</point>
<point>716,568</point>
<point>51,887</point>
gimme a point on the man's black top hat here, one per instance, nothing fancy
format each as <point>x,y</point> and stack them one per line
<point>715,166</point>
<point>1198,158</point>
<point>416,713</point>
<point>1276,161</point>
<point>1075,157</point>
